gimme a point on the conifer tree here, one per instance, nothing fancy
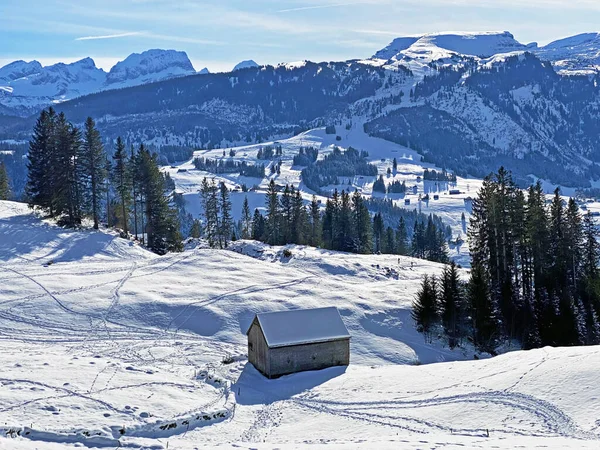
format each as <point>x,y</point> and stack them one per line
<point>363,239</point>
<point>272,222</point>
<point>402,246</point>
<point>258,226</point>
<point>226,220</point>
<point>451,303</point>
<point>378,231</point>
<point>481,311</point>
<point>121,180</point>
<point>161,222</point>
<point>42,149</point>
<point>93,169</point>
<point>246,220</point>
<point>425,306</point>
<point>210,202</point>
<point>4,184</point>
<point>315,223</point>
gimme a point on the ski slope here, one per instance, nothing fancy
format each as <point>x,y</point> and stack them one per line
<point>104,345</point>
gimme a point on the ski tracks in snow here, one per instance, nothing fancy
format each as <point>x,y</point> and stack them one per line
<point>393,413</point>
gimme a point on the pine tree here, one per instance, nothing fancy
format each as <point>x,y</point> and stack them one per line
<point>93,168</point>
<point>425,306</point>
<point>378,230</point>
<point>395,165</point>
<point>196,230</point>
<point>246,220</point>
<point>272,224</point>
<point>451,303</point>
<point>591,251</point>
<point>162,227</point>
<point>481,311</point>
<point>4,184</point>
<point>209,194</point>
<point>363,237</point>
<point>67,199</point>
<point>315,223</point>
<point>286,215</point>
<point>121,180</point>
<point>226,220</point>
<point>39,189</point>
<point>300,221</point>
<point>402,246</point>
<point>258,226</point>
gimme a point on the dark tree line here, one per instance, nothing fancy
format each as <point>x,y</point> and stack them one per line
<point>433,175</point>
<point>345,224</point>
<point>337,164</point>
<point>535,277</point>
<point>71,178</point>
<point>229,166</point>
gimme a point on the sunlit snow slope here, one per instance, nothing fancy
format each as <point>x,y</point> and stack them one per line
<point>104,345</point>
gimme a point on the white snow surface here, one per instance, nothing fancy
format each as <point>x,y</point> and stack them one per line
<point>104,344</point>
<point>302,326</point>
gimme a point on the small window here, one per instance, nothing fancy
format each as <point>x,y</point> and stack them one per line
<point>251,346</point>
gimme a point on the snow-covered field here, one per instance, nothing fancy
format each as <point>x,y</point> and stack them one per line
<point>104,344</point>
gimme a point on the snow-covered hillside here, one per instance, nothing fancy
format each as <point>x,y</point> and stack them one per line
<point>26,87</point>
<point>104,344</point>
<point>381,154</point>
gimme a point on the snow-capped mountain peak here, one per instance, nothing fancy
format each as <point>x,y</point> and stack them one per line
<point>19,69</point>
<point>28,86</point>
<point>149,66</point>
<point>575,54</point>
<point>245,64</point>
<point>483,44</point>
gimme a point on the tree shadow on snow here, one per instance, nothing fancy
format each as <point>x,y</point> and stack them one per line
<point>253,388</point>
<point>23,235</point>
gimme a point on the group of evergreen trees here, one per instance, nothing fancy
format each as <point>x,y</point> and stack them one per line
<point>71,178</point>
<point>218,221</point>
<point>337,164</point>
<point>4,184</point>
<point>229,166</point>
<point>433,175</point>
<point>344,225</point>
<point>395,187</point>
<point>535,277</point>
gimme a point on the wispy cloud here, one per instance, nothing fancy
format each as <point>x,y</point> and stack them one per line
<point>304,8</point>
<point>109,36</point>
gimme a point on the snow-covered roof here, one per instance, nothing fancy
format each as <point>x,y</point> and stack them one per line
<point>302,326</point>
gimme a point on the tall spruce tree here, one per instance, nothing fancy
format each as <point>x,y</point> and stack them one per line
<point>42,150</point>
<point>316,229</point>
<point>226,220</point>
<point>451,303</point>
<point>425,306</point>
<point>93,167</point>
<point>121,180</point>
<point>402,246</point>
<point>4,183</point>
<point>482,311</point>
<point>210,202</point>
<point>272,224</point>
<point>246,220</point>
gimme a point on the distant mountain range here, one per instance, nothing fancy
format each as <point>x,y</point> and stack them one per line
<point>26,87</point>
<point>466,101</point>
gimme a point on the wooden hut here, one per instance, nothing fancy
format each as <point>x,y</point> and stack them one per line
<point>284,342</point>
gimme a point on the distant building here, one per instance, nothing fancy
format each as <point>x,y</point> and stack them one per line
<point>454,192</point>
<point>436,197</point>
<point>407,201</point>
<point>284,342</point>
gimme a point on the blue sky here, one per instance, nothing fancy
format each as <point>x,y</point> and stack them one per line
<point>220,33</point>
